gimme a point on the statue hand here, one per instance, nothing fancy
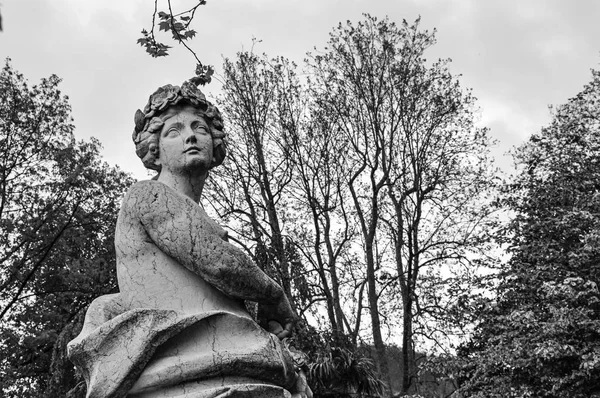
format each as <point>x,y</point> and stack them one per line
<point>280,331</point>
<point>277,318</point>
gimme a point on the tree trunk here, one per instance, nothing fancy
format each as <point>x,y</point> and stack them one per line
<point>382,363</point>
<point>407,357</point>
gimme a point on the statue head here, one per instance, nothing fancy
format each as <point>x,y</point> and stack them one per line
<point>149,122</point>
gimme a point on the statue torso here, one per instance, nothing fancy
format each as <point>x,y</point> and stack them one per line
<point>149,278</point>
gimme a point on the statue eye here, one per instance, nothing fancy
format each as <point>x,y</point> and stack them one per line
<point>172,132</point>
<point>200,127</point>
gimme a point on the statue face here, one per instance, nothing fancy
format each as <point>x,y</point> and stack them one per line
<point>185,143</point>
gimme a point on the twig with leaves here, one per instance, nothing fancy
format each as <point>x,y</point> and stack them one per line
<point>178,24</point>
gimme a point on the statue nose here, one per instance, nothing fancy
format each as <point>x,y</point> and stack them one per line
<point>191,137</point>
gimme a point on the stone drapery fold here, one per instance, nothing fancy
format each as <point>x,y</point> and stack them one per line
<point>138,353</point>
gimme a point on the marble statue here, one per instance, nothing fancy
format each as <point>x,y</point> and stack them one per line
<point>178,326</point>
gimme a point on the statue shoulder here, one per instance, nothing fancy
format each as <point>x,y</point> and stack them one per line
<point>141,194</point>
<point>146,185</point>
<point>145,190</point>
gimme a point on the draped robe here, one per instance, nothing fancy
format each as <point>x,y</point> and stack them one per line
<point>178,327</point>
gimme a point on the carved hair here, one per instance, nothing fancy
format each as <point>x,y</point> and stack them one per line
<point>149,123</point>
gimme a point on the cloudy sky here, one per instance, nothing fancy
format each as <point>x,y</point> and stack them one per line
<point>518,56</point>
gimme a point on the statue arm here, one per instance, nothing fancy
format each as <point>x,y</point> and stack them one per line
<point>181,229</point>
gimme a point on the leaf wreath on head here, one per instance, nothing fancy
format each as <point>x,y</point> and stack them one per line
<point>148,122</point>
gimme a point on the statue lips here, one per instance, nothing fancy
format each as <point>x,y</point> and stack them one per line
<point>195,154</point>
<point>192,148</point>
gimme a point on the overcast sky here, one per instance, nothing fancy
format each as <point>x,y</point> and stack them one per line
<point>518,56</point>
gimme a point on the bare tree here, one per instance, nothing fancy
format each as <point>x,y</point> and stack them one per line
<point>350,86</point>
<point>325,239</point>
<point>419,171</point>
<point>251,184</point>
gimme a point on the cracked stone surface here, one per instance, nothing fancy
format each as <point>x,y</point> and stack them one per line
<point>179,327</point>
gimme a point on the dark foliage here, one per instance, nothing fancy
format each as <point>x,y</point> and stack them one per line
<point>541,337</point>
<point>335,367</point>
<point>58,207</point>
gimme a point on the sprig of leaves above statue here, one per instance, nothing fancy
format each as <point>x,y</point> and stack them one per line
<point>179,26</point>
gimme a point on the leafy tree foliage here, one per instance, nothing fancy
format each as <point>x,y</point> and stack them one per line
<point>541,336</point>
<point>344,372</point>
<point>58,208</point>
<point>335,366</point>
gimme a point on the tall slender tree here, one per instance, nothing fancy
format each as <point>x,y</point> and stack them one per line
<point>258,167</point>
<point>440,189</point>
<point>418,168</point>
<point>326,237</point>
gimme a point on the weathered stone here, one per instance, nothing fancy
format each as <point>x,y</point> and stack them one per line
<point>179,327</point>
